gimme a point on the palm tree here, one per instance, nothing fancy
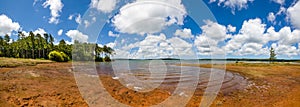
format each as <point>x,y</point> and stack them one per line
<point>108,51</point>
<point>98,51</point>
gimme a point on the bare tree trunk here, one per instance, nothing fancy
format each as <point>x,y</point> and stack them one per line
<point>39,53</point>
<point>43,53</point>
<point>32,53</point>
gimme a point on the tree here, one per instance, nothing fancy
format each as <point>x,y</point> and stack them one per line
<point>7,48</point>
<point>64,47</point>
<point>272,55</point>
<point>32,37</point>
<point>46,46</point>
<point>98,52</point>
<point>108,50</point>
<point>6,38</point>
<point>40,45</point>
<point>1,46</point>
<point>51,41</point>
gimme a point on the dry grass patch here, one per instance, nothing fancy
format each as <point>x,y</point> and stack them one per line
<point>15,62</point>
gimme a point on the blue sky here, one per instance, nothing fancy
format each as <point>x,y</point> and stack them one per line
<point>256,9</point>
<point>231,28</point>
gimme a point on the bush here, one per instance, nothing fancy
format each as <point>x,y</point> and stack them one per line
<point>65,56</point>
<point>98,59</point>
<point>58,56</point>
<point>107,59</point>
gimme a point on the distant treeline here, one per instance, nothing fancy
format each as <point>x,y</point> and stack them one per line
<point>37,46</point>
<point>229,59</point>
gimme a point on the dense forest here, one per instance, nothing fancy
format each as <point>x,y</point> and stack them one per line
<point>37,46</point>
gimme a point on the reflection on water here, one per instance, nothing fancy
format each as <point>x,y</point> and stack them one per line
<point>146,75</point>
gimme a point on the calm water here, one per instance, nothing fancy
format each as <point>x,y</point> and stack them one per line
<point>146,75</point>
<point>182,82</point>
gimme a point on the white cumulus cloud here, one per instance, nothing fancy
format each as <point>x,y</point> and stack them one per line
<point>78,19</point>
<point>184,33</point>
<point>111,34</point>
<point>285,50</point>
<point>252,49</point>
<point>149,16</point>
<point>293,14</point>
<point>250,37</point>
<point>271,17</point>
<point>233,4</point>
<point>35,32</point>
<point>281,2</point>
<point>59,33</point>
<point>77,35</point>
<point>231,29</point>
<point>111,45</point>
<point>39,31</point>
<point>71,17</point>
<point>55,7</point>
<point>156,46</point>
<point>253,31</point>
<point>105,6</point>
<point>214,30</point>
<point>253,39</point>
<point>7,25</point>
<point>212,34</point>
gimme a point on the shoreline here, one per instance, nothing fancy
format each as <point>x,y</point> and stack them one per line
<point>270,85</point>
<point>53,84</point>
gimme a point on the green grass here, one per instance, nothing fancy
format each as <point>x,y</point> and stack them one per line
<point>16,62</point>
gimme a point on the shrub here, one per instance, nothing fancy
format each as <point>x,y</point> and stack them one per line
<point>58,56</point>
<point>98,59</point>
<point>107,59</point>
<point>65,56</point>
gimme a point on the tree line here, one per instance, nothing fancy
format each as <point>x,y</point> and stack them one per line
<point>39,46</point>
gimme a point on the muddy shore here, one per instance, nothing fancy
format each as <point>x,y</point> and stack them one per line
<point>53,84</point>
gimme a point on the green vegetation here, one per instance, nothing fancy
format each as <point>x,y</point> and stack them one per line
<point>37,46</point>
<point>58,56</point>
<point>272,55</point>
<point>107,59</point>
<point>103,52</point>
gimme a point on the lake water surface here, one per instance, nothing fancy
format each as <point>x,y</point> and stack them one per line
<point>146,75</point>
